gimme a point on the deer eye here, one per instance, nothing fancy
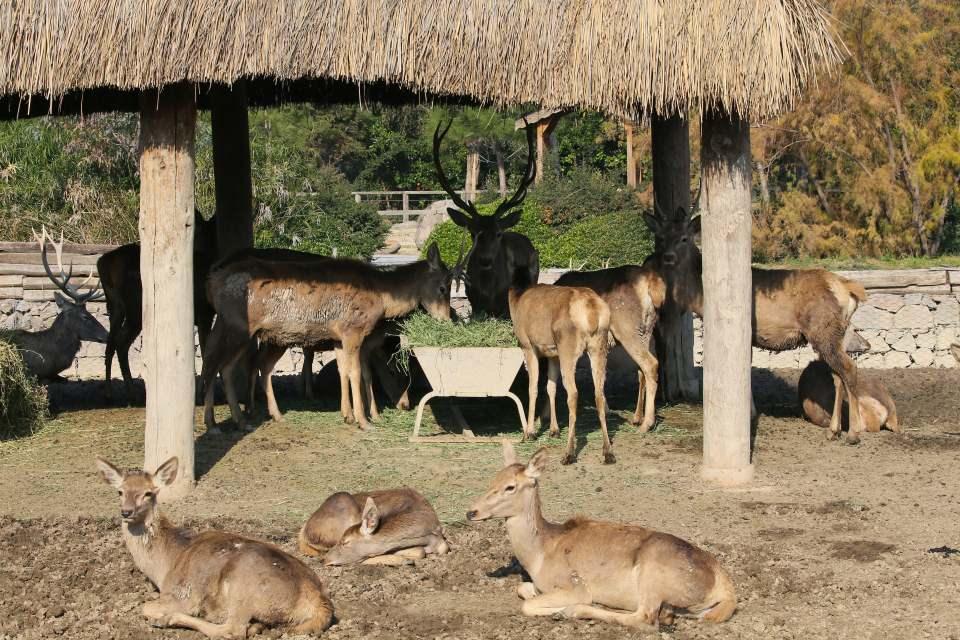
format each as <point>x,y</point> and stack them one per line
<point>120,493</point>
<point>683,239</point>
<point>443,289</point>
<point>510,488</point>
<point>147,495</point>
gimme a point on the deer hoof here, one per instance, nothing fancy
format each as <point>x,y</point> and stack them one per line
<point>832,435</point>
<point>853,438</point>
<point>609,458</point>
<point>568,458</point>
<point>348,419</point>
<point>403,405</point>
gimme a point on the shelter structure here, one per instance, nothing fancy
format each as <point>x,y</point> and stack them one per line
<point>728,62</point>
<point>545,122</point>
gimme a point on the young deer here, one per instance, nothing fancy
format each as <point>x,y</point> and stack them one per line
<point>816,391</point>
<point>597,570</point>
<point>48,352</point>
<point>389,527</point>
<point>212,575</point>
<point>559,324</point>
<point>304,303</point>
<point>791,307</point>
<point>634,295</point>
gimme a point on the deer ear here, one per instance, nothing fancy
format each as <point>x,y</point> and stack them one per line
<point>693,225</point>
<point>653,222</point>
<point>459,217</point>
<point>167,472</point>
<point>510,219</point>
<point>370,519</point>
<point>109,473</point>
<point>537,464</point>
<point>433,257</point>
<point>509,455</point>
<point>60,300</point>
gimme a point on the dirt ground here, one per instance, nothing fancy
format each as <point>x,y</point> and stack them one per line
<point>829,541</point>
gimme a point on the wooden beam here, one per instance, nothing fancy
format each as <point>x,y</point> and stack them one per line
<point>670,143</point>
<point>167,125</point>
<point>727,298</point>
<point>231,167</point>
<point>631,161</point>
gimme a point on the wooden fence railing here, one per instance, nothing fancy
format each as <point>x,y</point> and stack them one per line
<point>405,205</point>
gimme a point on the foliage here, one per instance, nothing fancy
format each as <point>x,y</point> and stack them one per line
<point>581,194</point>
<point>23,401</point>
<point>422,330</point>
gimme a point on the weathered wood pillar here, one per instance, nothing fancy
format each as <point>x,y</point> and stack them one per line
<point>670,142</point>
<point>631,161</point>
<point>167,125</point>
<point>231,167</point>
<point>472,177</point>
<point>727,297</point>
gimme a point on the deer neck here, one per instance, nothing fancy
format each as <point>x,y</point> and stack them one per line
<point>62,333</point>
<point>154,545</point>
<point>528,532</point>
<point>687,286</point>
<point>400,296</point>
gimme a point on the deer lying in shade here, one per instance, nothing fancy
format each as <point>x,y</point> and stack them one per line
<point>815,391</point>
<point>212,575</point>
<point>597,570</point>
<point>389,527</point>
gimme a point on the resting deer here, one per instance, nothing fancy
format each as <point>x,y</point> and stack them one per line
<point>389,527</point>
<point>119,272</point>
<point>48,352</point>
<point>598,570</point>
<point>560,324</point>
<point>245,583</point>
<point>495,254</point>
<point>791,307</point>
<point>634,295</point>
<point>955,350</point>
<point>815,391</point>
<point>294,303</point>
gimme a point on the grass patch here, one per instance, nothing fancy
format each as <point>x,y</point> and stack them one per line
<point>23,402</point>
<point>422,330</point>
<point>858,264</point>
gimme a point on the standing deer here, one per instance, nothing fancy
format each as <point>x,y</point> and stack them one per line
<point>560,324</point>
<point>791,307</point>
<point>119,272</point>
<point>48,352</point>
<point>496,254</point>
<point>596,570</point>
<point>297,303</point>
<point>388,527</point>
<point>244,583</point>
<point>634,295</point>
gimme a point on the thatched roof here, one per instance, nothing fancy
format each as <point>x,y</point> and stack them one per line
<point>625,57</point>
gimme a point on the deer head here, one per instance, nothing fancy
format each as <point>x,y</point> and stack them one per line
<point>485,231</point>
<point>512,489</point>
<point>138,489</point>
<point>72,304</point>
<point>433,290</point>
<point>675,234</point>
<point>359,541</point>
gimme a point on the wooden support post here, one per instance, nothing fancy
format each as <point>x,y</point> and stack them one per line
<point>631,161</point>
<point>231,168</point>
<point>670,141</point>
<point>167,124</point>
<point>727,298</point>
<point>473,172</point>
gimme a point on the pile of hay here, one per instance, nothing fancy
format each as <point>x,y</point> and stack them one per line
<point>422,330</point>
<point>23,401</point>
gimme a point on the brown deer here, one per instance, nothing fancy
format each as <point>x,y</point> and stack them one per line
<point>791,307</point>
<point>560,324</point>
<point>495,254</point>
<point>955,350</point>
<point>48,352</point>
<point>388,527</point>
<point>119,272</point>
<point>634,295</point>
<point>294,303</point>
<point>244,583</point>
<point>596,570</point>
<point>816,392</point>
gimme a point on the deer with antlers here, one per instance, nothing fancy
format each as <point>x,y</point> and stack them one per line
<point>791,307</point>
<point>48,352</point>
<point>495,254</point>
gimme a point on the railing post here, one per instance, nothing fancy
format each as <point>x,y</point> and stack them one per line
<point>406,201</point>
<point>356,197</point>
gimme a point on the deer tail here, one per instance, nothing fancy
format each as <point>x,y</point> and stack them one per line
<point>723,599</point>
<point>316,612</point>
<point>856,290</point>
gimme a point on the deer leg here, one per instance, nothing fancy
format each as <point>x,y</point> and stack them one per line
<point>388,560</point>
<point>568,367</point>
<point>355,367</point>
<point>116,320</point>
<point>306,374</point>
<point>235,628</point>
<point>640,619</point>
<point>547,604</point>
<point>533,373</point>
<point>366,375</point>
<point>125,338</point>
<point>553,375</point>
<point>208,373</point>
<point>269,356</point>
<point>413,553</point>
<point>232,400</point>
<point>638,347</point>
<point>385,375</point>
<point>343,368</point>
<point>598,367</point>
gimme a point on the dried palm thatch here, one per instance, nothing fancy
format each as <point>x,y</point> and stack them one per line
<point>624,57</point>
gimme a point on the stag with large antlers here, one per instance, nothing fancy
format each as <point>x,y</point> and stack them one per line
<point>496,254</point>
<point>46,353</point>
<point>791,307</point>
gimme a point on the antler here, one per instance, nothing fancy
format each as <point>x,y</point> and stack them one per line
<point>62,281</point>
<point>528,175</point>
<point>465,205</point>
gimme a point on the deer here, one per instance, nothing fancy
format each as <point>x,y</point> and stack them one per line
<point>50,351</point>
<point>955,350</point>
<point>388,527</point>
<point>634,295</point>
<point>815,392</point>
<point>119,271</point>
<point>596,570</point>
<point>246,583</point>
<point>560,324</point>
<point>495,253</point>
<point>295,303</point>
<point>791,307</point>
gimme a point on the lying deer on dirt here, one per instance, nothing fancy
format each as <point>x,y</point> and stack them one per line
<point>791,307</point>
<point>244,583</point>
<point>598,570</point>
<point>560,324</point>
<point>305,303</point>
<point>955,350</point>
<point>389,527</point>
<point>48,352</point>
<point>634,295</point>
<point>816,392</point>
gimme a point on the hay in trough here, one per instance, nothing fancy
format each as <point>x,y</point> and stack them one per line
<point>23,402</point>
<point>422,330</point>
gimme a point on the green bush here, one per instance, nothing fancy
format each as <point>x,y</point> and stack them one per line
<point>582,193</point>
<point>23,402</point>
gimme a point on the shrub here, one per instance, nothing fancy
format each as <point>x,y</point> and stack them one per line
<point>581,194</point>
<point>23,402</point>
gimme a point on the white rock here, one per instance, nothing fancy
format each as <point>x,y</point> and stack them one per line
<point>948,312</point>
<point>906,344</point>
<point>886,301</point>
<point>944,360</point>
<point>927,340</point>
<point>923,357</point>
<point>871,361</point>
<point>913,316</point>
<point>913,298</point>
<point>946,336</point>
<point>896,360</point>
<point>783,360</point>
<point>870,317</point>
<point>928,301</point>
<point>761,358</point>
